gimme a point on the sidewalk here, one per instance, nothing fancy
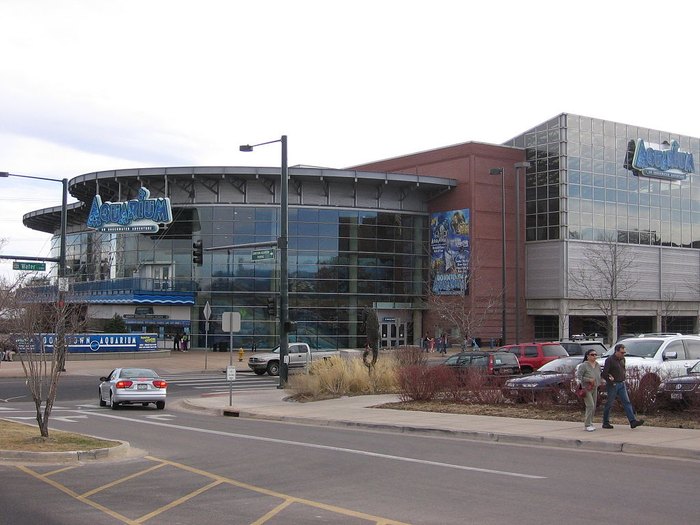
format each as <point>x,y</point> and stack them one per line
<point>357,412</point>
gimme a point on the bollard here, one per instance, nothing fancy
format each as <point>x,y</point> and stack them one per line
<point>240,354</point>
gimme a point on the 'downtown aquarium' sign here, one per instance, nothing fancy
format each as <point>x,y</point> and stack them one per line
<point>141,215</point>
<point>93,343</point>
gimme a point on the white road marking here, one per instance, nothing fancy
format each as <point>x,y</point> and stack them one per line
<point>67,419</point>
<point>325,447</point>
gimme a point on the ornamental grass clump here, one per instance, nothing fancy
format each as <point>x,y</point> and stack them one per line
<point>342,376</point>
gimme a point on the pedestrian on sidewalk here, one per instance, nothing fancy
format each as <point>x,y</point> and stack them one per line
<point>588,375</point>
<point>183,343</point>
<point>176,341</point>
<point>614,373</point>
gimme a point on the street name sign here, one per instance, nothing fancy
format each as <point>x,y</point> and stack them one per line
<point>29,266</point>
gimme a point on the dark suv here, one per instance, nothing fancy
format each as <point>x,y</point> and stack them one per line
<point>501,364</point>
<point>534,355</point>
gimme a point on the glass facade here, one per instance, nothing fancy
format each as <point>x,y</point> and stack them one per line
<point>579,188</point>
<point>340,261</point>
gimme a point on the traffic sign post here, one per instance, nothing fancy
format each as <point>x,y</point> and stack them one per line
<point>29,266</point>
<point>207,315</point>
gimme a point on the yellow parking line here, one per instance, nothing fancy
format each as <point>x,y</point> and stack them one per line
<point>279,508</point>
<point>287,499</point>
<point>80,498</point>
<point>216,480</point>
<point>177,502</point>
<point>53,472</point>
<point>121,480</point>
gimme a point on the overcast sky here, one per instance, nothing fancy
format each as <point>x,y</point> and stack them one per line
<point>89,85</point>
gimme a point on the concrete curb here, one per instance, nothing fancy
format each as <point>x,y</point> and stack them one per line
<point>72,456</point>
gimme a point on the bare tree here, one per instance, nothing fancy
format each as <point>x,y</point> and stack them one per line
<point>37,325</point>
<point>605,279</point>
<point>668,308</point>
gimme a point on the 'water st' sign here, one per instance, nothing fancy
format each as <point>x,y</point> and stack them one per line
<point>29,266</point>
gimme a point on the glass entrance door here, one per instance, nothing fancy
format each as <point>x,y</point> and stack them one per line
<point>393,333</point>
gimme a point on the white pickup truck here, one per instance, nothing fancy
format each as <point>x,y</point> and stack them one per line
<point>300,355</point>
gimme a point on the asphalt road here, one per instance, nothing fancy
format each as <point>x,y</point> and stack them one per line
<point>198,468</point>
<point>75,388</point>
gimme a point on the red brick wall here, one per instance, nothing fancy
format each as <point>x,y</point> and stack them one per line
<point>469,163</point>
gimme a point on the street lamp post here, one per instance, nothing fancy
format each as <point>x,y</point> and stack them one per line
<point>501,172</point>
<point>518,166</point>
<point>61,328</point>
<point>282,244</point>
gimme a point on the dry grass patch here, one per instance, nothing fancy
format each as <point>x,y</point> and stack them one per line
<point>18,436</point>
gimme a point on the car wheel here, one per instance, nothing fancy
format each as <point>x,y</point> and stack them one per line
<point>259,372</point>
<point>273,368</point>
<point>103,403</point>
<point>113,404</point>
<point>160,405</point>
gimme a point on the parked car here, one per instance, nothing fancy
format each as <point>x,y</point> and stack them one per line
<point>657,358</point>
<point>581,347</point>
<point>553,381</point>
<point>132,386</point>
<point>681,390</point>
<point>492,364</point>
<point>533,355</point>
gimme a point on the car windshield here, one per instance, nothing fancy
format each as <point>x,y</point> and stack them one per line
<point>639,347</point>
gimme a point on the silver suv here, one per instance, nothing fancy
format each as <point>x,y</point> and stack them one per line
<point>661,356</point>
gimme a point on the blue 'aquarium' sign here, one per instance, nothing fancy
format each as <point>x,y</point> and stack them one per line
<point>664,161</point>
<point>142,215</point>
<point>93,343</point>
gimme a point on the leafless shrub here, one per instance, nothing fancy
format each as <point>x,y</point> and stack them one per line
<point>419,383</point>
<point>642,385</point>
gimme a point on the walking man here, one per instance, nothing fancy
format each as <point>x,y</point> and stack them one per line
<point>614,374</point>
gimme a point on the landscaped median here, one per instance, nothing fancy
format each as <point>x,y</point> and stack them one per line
<point>23,442</point>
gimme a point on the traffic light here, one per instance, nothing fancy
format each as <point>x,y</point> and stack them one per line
<point>197,253</point>
<point>271,306</point>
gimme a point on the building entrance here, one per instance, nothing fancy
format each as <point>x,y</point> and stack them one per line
<point>393,333</point>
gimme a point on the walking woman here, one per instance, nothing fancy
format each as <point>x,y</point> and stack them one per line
<point>588,375</point>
